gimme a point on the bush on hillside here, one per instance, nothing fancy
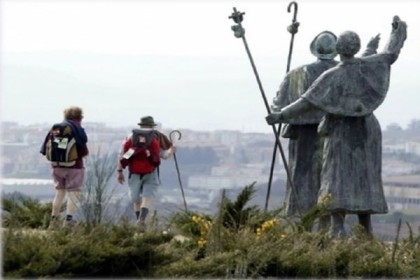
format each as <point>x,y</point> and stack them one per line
<point>239,241</point>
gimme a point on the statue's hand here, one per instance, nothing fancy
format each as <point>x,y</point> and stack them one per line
<point>395,21</point>
<point>275,108</point>
<point>274,118</point>
<point>374,42</point>
<point>399,26</point>
<point>238,31</point>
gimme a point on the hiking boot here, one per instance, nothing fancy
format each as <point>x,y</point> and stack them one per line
<point>69,224</point>
<point>54,224</point>
<point>141,226</point>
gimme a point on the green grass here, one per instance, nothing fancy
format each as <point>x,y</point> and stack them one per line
<point>239,241</point>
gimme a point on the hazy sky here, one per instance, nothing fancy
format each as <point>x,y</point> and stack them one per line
<point>179,61</point>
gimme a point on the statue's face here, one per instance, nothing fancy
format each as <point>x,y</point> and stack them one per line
<point>348,44</point>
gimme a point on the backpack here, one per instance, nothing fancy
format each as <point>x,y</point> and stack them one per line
<point>60,145</point>
<point>142,154</point>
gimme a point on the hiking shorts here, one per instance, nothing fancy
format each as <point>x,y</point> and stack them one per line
<point>143,185</point>
<point>69,179</point>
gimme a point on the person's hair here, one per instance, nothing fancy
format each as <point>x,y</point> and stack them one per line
<point>73,113</point>
<point>348,44</point>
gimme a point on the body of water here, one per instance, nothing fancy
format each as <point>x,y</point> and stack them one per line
<point>42,189</point>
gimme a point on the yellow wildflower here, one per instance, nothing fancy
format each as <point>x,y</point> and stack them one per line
<point>266,226</point>
<point>201,242</point>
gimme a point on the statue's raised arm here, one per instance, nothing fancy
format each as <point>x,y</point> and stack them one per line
<point>396,40</point>
<point>355,87</point>
<point>372,46</point>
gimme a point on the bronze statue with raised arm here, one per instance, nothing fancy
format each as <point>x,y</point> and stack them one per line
<point>349,93</point>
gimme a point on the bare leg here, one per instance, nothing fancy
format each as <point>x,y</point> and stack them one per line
<point>144,210</point>
<point>73,198</point>
<point>56,207</point>
<point>141,207</point>
<point>57,202</point>
<point>146,202</point>
<point>137,205</point>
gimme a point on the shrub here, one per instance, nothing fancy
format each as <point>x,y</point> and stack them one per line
<point>19,210</point>
<point>237,242</point>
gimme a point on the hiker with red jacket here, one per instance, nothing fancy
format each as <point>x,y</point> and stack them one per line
<point>141,153</point>
<point>65,146</point>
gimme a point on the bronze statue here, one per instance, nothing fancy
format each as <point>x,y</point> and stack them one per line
<point>304,143</point>
<point>349,93</point>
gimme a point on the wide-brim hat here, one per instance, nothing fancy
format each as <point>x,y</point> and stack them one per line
<point>323,45</point>
<point>147,121</point>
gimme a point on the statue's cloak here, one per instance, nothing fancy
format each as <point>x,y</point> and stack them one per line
<point>296,82</point>
<point>352,88</point>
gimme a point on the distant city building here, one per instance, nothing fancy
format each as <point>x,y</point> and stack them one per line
<point>405,147</point>
<point>241,159</point>
<point>402,192</point>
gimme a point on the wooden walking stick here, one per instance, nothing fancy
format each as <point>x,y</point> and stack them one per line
<point>239,32</point>
<point>293,29</point>
<point>177,168</point>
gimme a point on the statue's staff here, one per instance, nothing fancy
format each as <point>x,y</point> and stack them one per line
<point>293,29</point>
<point>177,168</point>
<point>239,32</point>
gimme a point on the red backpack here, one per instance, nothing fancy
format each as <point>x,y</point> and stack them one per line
<point>141,152</point>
